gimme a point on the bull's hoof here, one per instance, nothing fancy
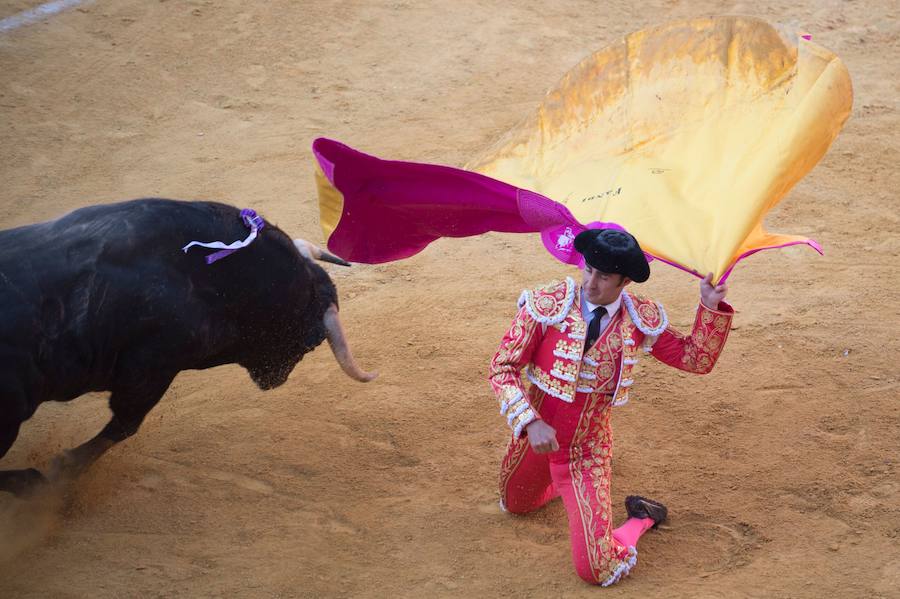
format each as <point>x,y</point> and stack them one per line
<point>64,467</point>
<point>22,483</point>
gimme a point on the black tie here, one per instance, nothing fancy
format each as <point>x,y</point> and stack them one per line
<point>593,331</point>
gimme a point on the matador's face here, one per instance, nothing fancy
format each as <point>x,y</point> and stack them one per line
<point>602,287</point>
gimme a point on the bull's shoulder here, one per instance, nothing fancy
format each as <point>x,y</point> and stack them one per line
<point>647,315</point>
<point>549,304</point>
<point>148,217</point>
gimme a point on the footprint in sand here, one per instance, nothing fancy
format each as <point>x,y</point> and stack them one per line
<point>702,547</point>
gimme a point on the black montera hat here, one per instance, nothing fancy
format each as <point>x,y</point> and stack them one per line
<point>610,250</point>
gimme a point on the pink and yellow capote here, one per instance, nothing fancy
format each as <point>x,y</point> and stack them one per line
<point>686,135</point>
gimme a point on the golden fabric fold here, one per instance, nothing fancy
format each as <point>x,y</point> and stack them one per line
<point>686,134</point>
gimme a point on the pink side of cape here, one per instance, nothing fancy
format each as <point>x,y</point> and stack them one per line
<point>394,209</point>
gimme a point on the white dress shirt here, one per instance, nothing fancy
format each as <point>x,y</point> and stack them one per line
<point>587,309</point>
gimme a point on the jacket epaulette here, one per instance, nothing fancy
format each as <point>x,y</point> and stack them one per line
<point>551,303</point>
<point>647,315</point>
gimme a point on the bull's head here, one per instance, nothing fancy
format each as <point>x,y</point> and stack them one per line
<point>305,326</point>
<point>333,330</point>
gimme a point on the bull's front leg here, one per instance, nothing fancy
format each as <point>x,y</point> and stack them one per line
<point>129,402</point>
<point>17,482</point>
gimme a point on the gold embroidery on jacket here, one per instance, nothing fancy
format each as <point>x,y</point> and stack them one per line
<point>550,384</point>
<point>701,348</point>
<point>504,369</point>
<point>605,353</point>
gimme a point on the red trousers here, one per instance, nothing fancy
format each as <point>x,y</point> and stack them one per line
<point>579,472</point>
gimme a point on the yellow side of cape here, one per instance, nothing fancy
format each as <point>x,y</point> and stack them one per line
<point>686,134</point>
<point>331,204</point>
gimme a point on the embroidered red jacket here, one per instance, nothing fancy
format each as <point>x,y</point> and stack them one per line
<point>547,338</point>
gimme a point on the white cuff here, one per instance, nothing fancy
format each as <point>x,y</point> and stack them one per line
<point>526,418</point>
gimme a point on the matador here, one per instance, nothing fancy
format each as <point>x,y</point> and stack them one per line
<point>577,346</point>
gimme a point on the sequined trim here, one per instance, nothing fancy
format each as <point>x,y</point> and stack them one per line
<point>516,408</point>
<point>599,362</point>
<point>545,387</point>
<point>564,368</point>
<point>509,396</point>
<point>557,310</point>
<point>573,357</point>
<point>626,364</point>
<point>578,332</point>
<point>639,322</point>
<point>563,376</point>
<point>624,568</point>
<point>568,349</point>
<point>523,421</point>
<point>519,409</point>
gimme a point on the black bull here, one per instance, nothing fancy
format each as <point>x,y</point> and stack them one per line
<point>104,299</point>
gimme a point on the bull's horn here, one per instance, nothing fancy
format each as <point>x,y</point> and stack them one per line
<point>314,252</point>
<point>341,350</point>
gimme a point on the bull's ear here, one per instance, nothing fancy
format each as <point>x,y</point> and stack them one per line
<point>310,251</point>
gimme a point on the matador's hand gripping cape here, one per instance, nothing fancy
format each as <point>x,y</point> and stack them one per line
<point>686,135</point>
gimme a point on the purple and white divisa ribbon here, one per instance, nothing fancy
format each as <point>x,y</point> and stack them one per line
<point>252,220</point>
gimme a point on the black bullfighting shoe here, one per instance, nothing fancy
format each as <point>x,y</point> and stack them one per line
<point>641,507</point>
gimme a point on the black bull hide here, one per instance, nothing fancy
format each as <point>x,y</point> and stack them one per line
<point>104,299</point>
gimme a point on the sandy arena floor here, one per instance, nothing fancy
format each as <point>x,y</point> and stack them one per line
<point>780,468</point>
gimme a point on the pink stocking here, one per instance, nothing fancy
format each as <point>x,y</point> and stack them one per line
<point>629,533</point>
